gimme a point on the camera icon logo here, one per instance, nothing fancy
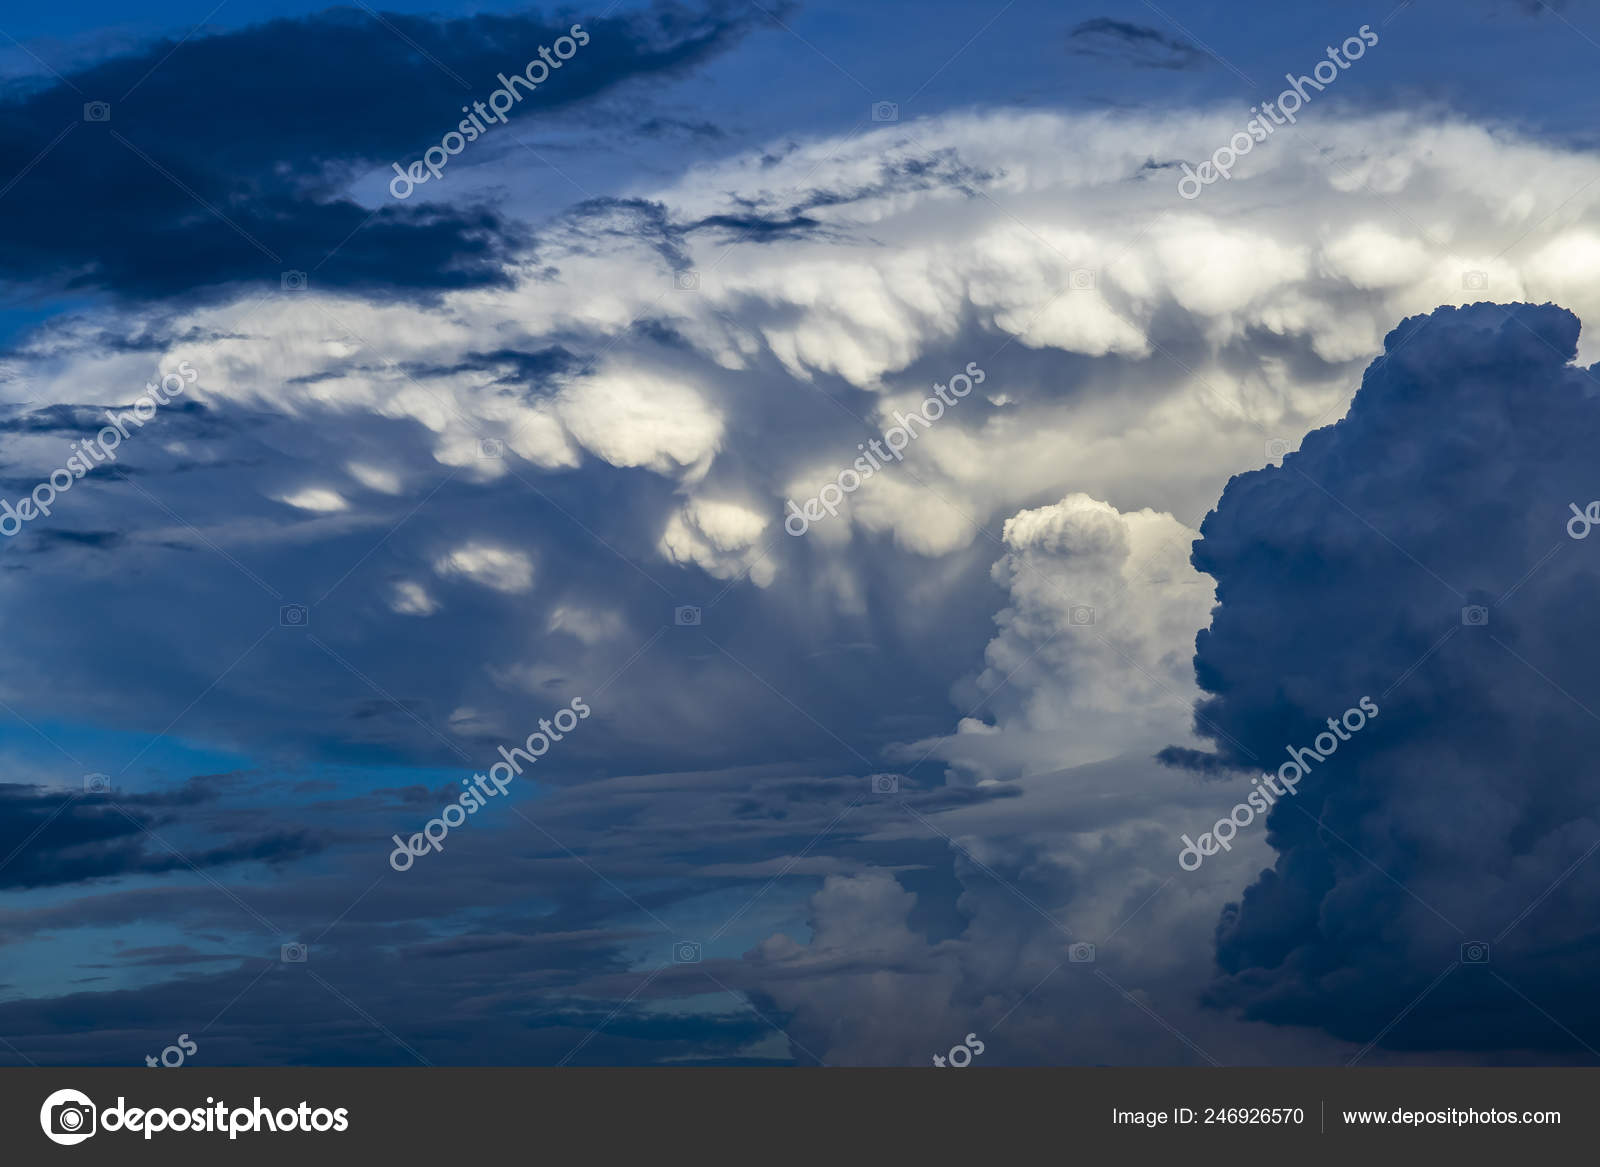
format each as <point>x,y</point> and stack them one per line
<point>1080,615</point>
<point>491,448</point>
<point>1277,448</point>
<point>293,954</point>
<point>686,952</point>
<point>97,783</point>
<point>97,111</point>
<point>686,281</point>
<point>686,616</point>
<point>294,281</point>
<point>1475,952</point>
<point>885,111</point>
<point>1475,616</point>
<point>294,615</point>
<point>67,1117</point>
<point>886,784</point>
<point>1083,279</point>
<point>1475,281</point>
<point>1081,953</point>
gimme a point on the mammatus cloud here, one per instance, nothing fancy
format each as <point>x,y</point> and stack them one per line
<point>1138,350</point>
<point>536,475</point>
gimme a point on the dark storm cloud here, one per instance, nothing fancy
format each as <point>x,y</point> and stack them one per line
<point>55,837</point>
<point>1416,553</point>
<point>1198,762</point>
<point>1134,44</point>
<point>758,229</point>
<point>225,157</point>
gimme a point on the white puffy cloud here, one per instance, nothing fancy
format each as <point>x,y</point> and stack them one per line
<point>1138,349</point>
<point>501,568</point>
<point>410,598</point>
<point>722,538</point>
<point>635,417</point>
<point>315,498</point>
<point>1092,654</point>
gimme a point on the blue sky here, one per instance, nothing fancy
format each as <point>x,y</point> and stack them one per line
<point>1191,477</point>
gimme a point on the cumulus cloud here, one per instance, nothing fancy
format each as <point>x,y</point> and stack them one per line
<point>1416,553</point>
<point>1089,659</point>
<point>632,417</point>
<point>720,537</point>
<point>1139,349</point>
<point>548,465</point>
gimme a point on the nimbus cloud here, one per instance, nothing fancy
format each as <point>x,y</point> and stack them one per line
<point>501,101</point>
<point>1267,790</point>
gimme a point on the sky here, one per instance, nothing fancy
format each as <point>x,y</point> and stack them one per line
<point>799,533</point>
